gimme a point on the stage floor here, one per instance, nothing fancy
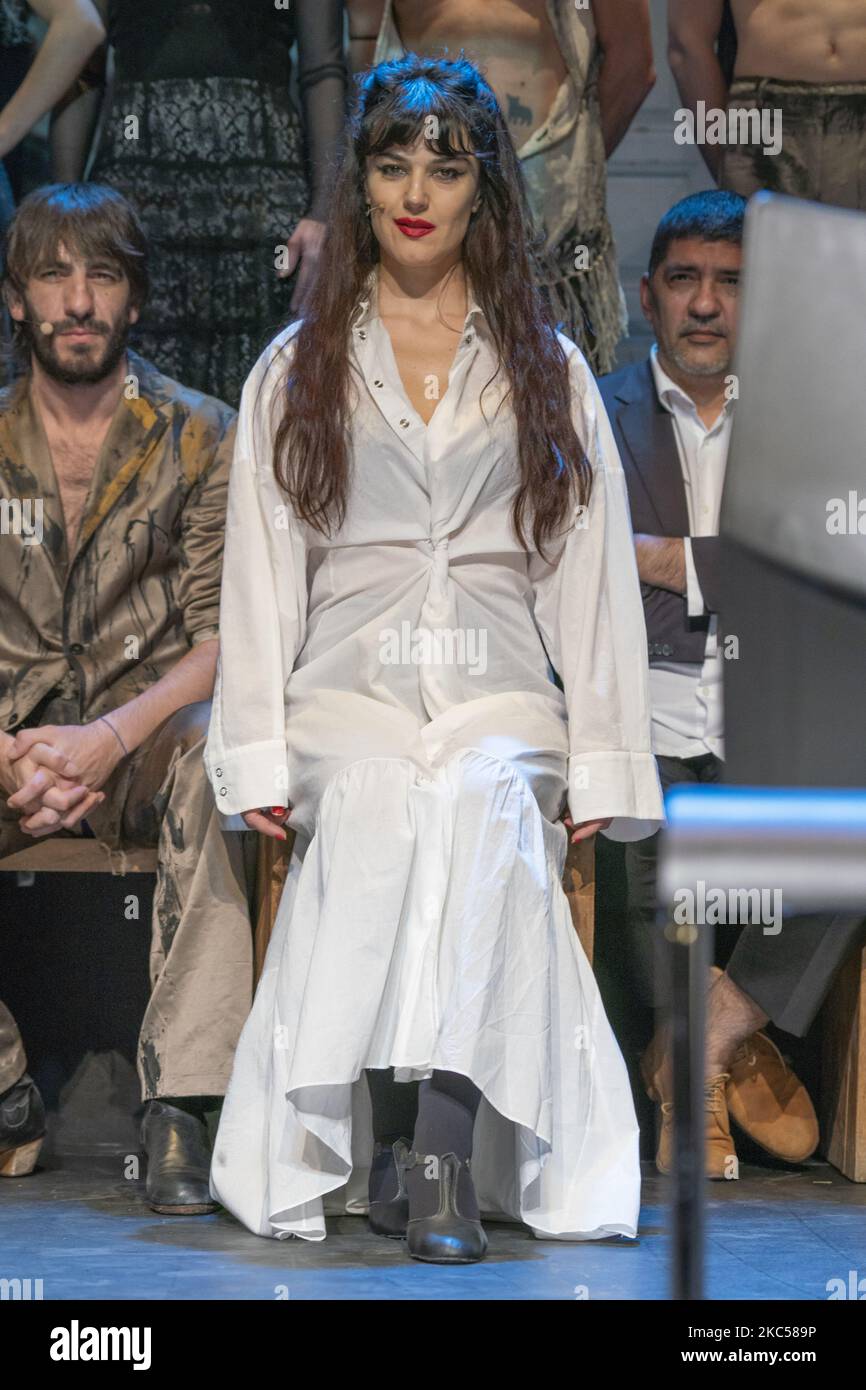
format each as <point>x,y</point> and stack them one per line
<point>87,1233</point>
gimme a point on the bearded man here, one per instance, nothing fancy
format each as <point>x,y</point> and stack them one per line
<point>113,487</point>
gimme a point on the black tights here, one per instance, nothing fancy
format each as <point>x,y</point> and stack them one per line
<point>395,1106</point>
<point>436,1116</point>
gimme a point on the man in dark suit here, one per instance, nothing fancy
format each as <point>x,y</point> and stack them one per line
<point>672,415</point>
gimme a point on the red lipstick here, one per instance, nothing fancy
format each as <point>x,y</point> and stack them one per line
<point>414,226</point>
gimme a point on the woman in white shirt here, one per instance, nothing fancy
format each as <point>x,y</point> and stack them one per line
<point>431,637</point>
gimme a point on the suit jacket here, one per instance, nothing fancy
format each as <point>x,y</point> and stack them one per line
<point>143,584</point>
<point>644,433</point>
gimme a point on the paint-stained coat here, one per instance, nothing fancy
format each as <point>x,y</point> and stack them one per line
<point>142,586</point>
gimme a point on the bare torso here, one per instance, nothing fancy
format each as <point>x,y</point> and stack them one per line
<point>801,40</point>
<point>511,41</point>
<point>74,460</point>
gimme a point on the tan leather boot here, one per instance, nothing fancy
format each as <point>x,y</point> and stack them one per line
<point>768,1101</point>
<point>720,1155</point>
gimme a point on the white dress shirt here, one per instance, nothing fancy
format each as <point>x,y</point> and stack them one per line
<point>423,924</point>
<point>687,715</point>
<point>318,633</point>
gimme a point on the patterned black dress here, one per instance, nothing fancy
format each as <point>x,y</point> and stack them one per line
<point>204,138</point>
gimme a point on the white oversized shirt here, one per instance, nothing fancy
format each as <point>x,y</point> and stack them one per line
<point>687,714</point>
<point>370,643</point>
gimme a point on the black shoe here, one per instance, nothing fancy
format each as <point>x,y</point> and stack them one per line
<point>22,1128</point>
<point>446,1237</point>
<point>178,1161</point>
<point>388,1218</point>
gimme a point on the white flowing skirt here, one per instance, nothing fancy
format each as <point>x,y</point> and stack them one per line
<point>424,926</point>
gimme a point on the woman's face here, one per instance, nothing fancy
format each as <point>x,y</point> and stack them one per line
<point>412,184</point>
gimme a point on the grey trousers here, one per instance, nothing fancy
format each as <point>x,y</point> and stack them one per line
<point>787,975</point>
<point>823,154</point>
<point>201,958</point>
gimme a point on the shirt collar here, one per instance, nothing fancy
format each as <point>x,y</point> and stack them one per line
<point>366,308</point>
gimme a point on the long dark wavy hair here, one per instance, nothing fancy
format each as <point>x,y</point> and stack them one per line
<point>311,455</point>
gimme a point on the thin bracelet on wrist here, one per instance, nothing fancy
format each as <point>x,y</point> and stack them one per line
<point>116,734</point>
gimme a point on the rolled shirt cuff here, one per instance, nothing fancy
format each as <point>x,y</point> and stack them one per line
<point>623,785</point>
<point>203,634</point>
<point>250,777</point>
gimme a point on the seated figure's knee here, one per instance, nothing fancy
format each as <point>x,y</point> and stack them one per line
<point>188,725</point>
<point>148,794</point>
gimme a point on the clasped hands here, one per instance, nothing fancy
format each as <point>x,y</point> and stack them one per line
<point>52,773</point>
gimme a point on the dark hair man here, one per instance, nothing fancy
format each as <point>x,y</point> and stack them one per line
<point>113,486</point>
<point>672,417</point>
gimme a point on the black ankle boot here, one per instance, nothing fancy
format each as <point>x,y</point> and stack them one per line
<point>178,1160</point>
<point>388,1170</point>
<point>446,1237</point>
<point>22,1128</point>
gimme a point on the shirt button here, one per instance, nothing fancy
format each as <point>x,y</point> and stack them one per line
<point>468,338</point>
<point>362,333</point>
<point>378,383</point>
<point>219,772</point>
<point>76,647</point>
<point>405,424</point>
<point>223,791</point>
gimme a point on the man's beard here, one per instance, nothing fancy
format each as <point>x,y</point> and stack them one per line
<point>698,366</point>
<point>78,371</point>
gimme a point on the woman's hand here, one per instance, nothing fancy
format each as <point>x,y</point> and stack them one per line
<point>269,820</point>
<point>585,828</point>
